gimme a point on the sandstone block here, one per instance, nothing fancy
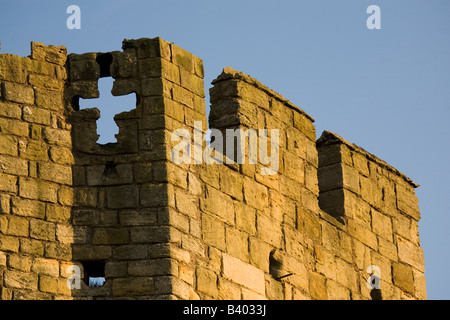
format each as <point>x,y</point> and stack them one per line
<point>55,172</point>
<point>58,250</point>
<point>122,87</point>
<point>361,163</point>
<point>183,96</point>
<point>14,68</point>
<point>44,82</point>
<point>131,252</point>
<point>17,93</point>
<point>9,243</point>
<point>68,234</point>
<point>329,154</point>
<point>347,275</point>
<point>219,204</point>
<point>228,290</point>
<point>237,243</point>
<point>274,289</point>
<point>410,254</point>
<point>8,145</point>
<point>18,226</point>
<point>387,249</point>
<point>38,190</point>
<point>33,150</point>
<point>87,89</point>
<point>2,259</point>
<point>138,218</point>
<point>182,58</point>
<point>20,262</point>
<point>36,115</point>
<point>133,286</point>
<point>52,54</point>
<point>5,203</point>
<point>407,202</point>
<point>245,218</point>
<point>58,137</point>
<point>317,287</point>
<point>48,99</point>
<point>124,64</point>
<point>420,285</point>
<point>14,127</point>
<point>152,189</point>
<point>53,285</point>
<point>153,267</point>
<point>110,236</point>
<point>155,234</point>
<point>362,234</point>
<point>255,194</point>
<point>10,110</point>
<point>155,47</point>
<point>403,277</point>
<point>32,247</point>
<point>42,230</point>
<point>213,231</point>
<point>48,267</point>
<point>20,280</point>
<point>85,197</point>
<point>56,213</point>
<point>8,183</point>
<point>115,269</point>
<point>269,230</point>
<point>243,273</point>
<point>109,175</point>
<point>150,67</point>
<point>259,254</point>
<point>123,196</point>
<point>305,125</point>
<point>83,69</point>
<point>28,208</point>
<point>207,282</point>
<point>336,291</point>
<point>381,225</point>
<point>84,252</point>
<point>370,192</point>
<point>61,155</point>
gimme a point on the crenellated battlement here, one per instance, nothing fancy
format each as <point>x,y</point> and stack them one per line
<point>325,219</point>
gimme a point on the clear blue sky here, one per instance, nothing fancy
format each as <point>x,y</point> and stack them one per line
<point>386,90</point>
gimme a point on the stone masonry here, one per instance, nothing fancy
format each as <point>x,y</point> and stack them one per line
<point>159,230</point>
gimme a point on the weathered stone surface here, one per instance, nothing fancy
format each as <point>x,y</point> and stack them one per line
<point>403,277</point>
<point>123,197</point>
<point>42,230</point>
<point>20,280</point>
<point>218,204</point>
<point>52,54</point>
<point>410,254</point>
<point>207,282</point>
<point>163,230</point>
<point>317,287</point>
<point>55,172</point>
<point>244,274</point>
<point>17,93</point>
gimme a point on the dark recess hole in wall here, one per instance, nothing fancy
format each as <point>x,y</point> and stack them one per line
<point>94,273</point>
<point>109,105</point>
<point>104,60</point>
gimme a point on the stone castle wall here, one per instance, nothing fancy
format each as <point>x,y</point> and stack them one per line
<point>159,230</point>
